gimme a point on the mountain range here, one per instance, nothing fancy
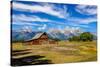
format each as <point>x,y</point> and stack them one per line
<point>54,34</point>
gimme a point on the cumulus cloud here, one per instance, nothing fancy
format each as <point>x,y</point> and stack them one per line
<point>26,29</point>
<point>46,8</point>
<point>43,27</point>
<point>87,9</point>
<point>72,29</point>
<point>66,30</point>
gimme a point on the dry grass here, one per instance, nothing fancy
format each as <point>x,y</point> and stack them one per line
<point>64,52</point>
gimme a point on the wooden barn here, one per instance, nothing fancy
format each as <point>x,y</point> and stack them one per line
<point>39,39</point>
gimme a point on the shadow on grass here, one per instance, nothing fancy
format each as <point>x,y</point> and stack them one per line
<point>17,54</point>
<point>20,52</point>
<point>30,60</point>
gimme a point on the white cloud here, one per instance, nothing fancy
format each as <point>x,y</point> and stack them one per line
<point>46,8</point>
<point>25,23</point>
<point>83,25</point>
<point>81,20</point>
<point>78,25</point>
<point>67,30</point>
<point>72,29</point>
<point>87,9</point>
<point>26,18</point>
<point>26,28</point>
<point>43,27</point>
<point>22,19</point>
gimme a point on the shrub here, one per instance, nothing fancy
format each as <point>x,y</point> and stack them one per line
<point>85,36</point>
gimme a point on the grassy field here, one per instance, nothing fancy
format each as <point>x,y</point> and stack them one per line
<point>63,52</point>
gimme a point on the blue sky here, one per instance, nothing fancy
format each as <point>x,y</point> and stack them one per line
<point>39,16</point>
